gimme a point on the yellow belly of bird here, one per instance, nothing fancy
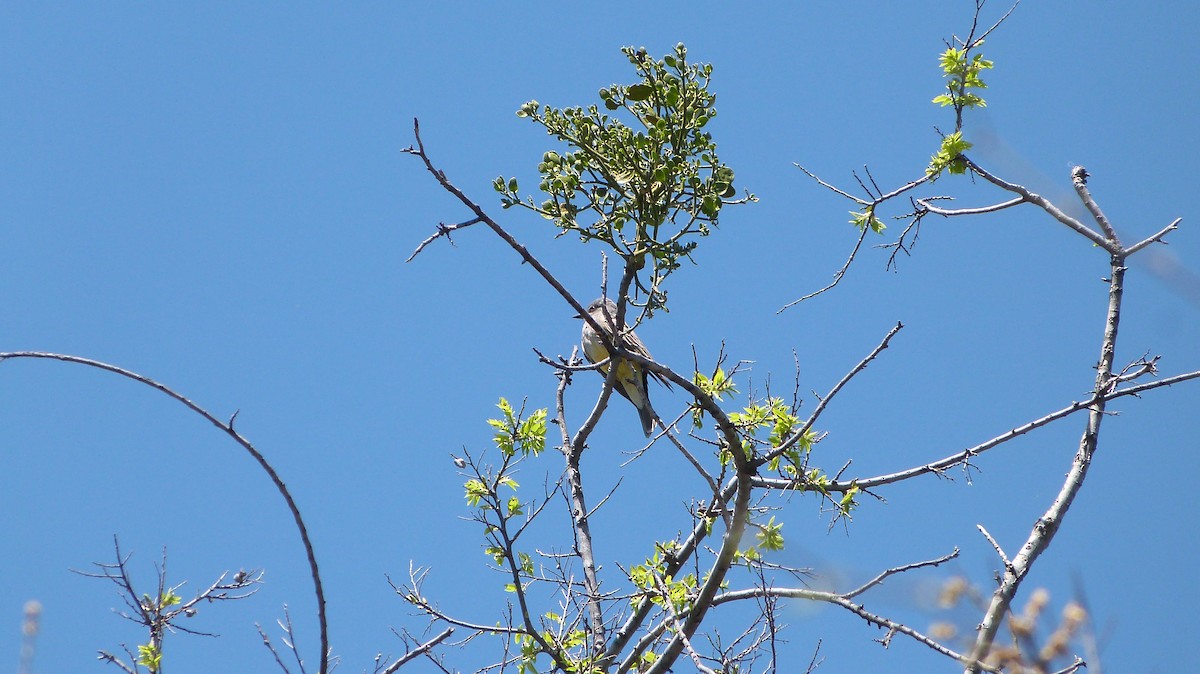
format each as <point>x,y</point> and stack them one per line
<point>628,382</point>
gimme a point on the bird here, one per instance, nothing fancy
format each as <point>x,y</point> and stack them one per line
<point>631,379</point>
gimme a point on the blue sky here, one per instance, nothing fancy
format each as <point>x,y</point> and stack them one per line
<point>215,197</point>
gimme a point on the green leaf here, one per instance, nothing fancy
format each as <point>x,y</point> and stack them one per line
<point>475,491</point>
<point>150,657</point>
<point>639,92</point>
<point>770,535</point>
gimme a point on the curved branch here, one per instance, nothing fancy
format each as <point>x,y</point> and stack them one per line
<point>228,429</point>
<point>951,212</point>
<point>1044,204</point>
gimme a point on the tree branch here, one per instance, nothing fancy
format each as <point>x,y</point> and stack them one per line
<point>1044,204</point>
<point>845,601</point>
<point>951,212</point>
<point>1047,525</point>
<point>228,429</point>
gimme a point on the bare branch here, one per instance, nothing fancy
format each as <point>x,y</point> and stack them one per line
<point>481,216</point>
<point>1079,178</point>
<point>812,419</point>
<point>951,212</point>
<point>1044,204</point>
<point>999,550</point>
<point>845,602</point>
<point>869,207</point>
<point>831,188</point>
<point>442,230</point>
<point>961,457</point>
<point>105,656</point>
<point>1073,667</point>
<point>999,21</point>
<point>419,651</point>
<point>878,580</point>
<point>1157,236</point>
<point>579,511</point>
<point>837,276</point>
<point>228,429</point>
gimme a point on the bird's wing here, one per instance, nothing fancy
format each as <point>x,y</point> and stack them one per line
<point>635,345</point>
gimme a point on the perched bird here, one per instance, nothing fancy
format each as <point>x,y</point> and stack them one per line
<point>631,377</point>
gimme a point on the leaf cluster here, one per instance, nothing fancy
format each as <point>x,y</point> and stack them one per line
<point>640,172</point>
<point>961,68</point>
<point>962,72</point>
<point>949,156</point>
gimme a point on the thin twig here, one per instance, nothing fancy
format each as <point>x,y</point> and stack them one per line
<point>849,605</point>
<point>419,650</point>
<point>951,212</point>
<point>837,276</point>
<point>942,464</point>
<point>812,419</point>
<point>995,545</point>
<point>442,230</point>
<point>822,183</point>
<point>1157,236</point>
<point>878,580</point>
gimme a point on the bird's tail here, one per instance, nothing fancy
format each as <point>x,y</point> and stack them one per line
<point>646,414</point>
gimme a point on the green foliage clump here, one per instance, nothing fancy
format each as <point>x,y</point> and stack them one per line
<point>517,436</point>
<point>961,68</point>
<point>948,156</point>
<point>640,172</point>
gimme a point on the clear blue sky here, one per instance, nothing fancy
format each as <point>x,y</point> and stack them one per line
<point>214,197</point>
